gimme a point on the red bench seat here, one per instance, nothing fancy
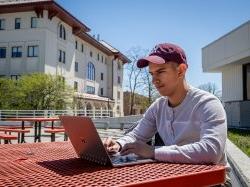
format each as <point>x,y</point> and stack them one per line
<point>57,130</point>
<point>7,138</point>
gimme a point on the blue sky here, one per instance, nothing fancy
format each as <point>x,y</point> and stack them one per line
<point>192,24</point>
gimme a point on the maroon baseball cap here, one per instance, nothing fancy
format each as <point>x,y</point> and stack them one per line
<point>163,53</point>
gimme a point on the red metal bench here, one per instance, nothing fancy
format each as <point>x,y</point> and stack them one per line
<point>54,131</point>
<point>15,126</point>
<point>18,131</point>
<point>7,138</point>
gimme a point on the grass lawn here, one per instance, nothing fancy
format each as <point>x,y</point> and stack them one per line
<point>241,138</point>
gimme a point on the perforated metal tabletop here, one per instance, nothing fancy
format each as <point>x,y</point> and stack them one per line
<point>56,164</point>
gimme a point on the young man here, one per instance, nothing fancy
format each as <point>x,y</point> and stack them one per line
<point>191,122</point>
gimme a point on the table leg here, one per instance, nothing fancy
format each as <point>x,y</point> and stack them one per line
<point>22,134</point>
<point>35,136</point>
<point>39,132</point>
<point>18,137</point>
<point>53,137</point>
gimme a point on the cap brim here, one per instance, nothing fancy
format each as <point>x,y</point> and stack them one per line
<point>143,62</point>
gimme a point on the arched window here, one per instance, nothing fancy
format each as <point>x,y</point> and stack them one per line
<point>62,32</point>
<point>91,71</point>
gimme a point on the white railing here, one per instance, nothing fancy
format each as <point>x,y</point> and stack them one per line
<point>51,113</point>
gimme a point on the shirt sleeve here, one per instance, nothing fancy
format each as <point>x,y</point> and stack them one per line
<point>211,146</point>
<point>145,129</point>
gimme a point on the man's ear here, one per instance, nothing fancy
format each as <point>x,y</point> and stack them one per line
<point>182,70</point>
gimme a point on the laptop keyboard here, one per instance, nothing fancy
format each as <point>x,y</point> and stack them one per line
<point>117,158</point>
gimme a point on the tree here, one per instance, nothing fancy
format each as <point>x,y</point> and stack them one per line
<point>38,91</point>
<point>149,88</point>
<point>211,88</point>
<point>7,93</point>
<point>133,74</point>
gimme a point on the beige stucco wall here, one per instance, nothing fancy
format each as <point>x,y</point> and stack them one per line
<point>46,37</point>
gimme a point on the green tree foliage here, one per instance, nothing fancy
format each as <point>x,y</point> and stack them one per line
<point>37,91</point>
<point>7,93</point>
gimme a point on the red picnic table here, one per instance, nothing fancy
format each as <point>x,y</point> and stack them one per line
<point>38,125</point>
<point>56,164</point>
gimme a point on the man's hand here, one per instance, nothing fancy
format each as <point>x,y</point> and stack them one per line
<point>139,148</point>
<point>111,145</point>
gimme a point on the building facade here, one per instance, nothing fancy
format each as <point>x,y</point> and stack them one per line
<point>230,55</point>
<point>41,36</point>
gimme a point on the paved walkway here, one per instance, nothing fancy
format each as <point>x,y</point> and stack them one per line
<point>29,137</point>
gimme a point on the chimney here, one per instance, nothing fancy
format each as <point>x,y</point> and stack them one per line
<point>98,37</point>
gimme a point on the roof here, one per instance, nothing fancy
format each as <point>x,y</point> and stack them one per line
<point>117,53</point>
<point>54,9</point>
<point>93,97</point>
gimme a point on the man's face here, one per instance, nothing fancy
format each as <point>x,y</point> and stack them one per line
<point>165,77</point>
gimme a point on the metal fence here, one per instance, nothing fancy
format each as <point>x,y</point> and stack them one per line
<point>95,114</point>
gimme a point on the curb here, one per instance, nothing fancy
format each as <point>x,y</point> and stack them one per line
<point>239,162</point>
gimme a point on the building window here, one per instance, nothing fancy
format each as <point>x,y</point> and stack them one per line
<point>119,80</point>
<point>102,59</point>
<point>102,76</point>
<point>76,66</point>
<point>82,49</point>
<point>16,51</point>
<point>33,22</point>
<point>101,91</point>
<point>17,23</point>
<point>2,52</point>
<point>118,109</point>
<point>118,95</point>
<point>105,60</point>
<point>2,24</point>
<point>76,44</point>
<point>246,81</point>
<point>90,89</point>
<point>76,86</point>
<point>14,77</point>
<point>62,32</point>
<point>119,65</point>
<point>90,54</point>
<point>98,56</point>
<point>61,57</point>
<point>91,71</point>
<point>33,51</point>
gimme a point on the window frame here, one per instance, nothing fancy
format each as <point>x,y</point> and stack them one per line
<point>82,48</point>
<point>119,80</point>
<point>90,89</point>
<point>2,24</point>
<point>33,24</point>
<point>18,52</point>
<point>76,66</point>
<point>62,32</point>
<point>17,23</point>
<point>246,81</point>
<point>76,45</point>
<point>1,52</point>
<point>102,76</point>
<point>91,71</point>
<point>33,53</point>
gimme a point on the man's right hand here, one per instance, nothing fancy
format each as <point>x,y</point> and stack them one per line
<point>111,145</point>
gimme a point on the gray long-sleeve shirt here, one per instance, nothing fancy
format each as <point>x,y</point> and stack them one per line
<point>193,132</point>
